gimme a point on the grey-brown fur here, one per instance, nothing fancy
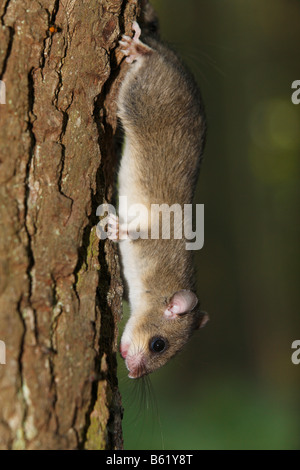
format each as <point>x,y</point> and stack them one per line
<point>162,115</point>
<point>162,107</point>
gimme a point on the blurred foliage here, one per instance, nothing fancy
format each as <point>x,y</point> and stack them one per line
<point>234,386</point>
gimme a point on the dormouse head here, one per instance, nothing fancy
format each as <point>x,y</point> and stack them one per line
<point>152,338</point>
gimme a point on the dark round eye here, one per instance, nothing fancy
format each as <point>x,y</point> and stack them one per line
<point>157,345</point>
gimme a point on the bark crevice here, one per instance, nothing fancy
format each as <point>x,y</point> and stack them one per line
<point>11,33</point>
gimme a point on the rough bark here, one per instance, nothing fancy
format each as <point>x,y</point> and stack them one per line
<point>60,289</point>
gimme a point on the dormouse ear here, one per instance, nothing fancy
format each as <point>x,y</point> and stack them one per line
<point>181,302</point>
<point>202,320</point>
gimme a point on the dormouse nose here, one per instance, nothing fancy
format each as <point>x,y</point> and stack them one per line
<point>124,350</point>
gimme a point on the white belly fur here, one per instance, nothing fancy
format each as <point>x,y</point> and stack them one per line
<point>128,186</point>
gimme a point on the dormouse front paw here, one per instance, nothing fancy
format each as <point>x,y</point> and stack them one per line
<point>133,48</point>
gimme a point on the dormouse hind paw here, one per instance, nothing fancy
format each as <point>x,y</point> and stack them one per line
<point>133,48</point>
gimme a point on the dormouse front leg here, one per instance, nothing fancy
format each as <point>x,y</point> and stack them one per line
<point>133,48</point>
<point>116,232</point>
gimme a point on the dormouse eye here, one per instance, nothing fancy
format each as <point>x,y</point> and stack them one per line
<point>158,345</point>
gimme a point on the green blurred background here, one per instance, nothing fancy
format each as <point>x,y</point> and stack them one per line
<point>235,386</point>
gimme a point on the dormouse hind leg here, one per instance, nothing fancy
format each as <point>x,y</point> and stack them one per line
<point>133,48</point>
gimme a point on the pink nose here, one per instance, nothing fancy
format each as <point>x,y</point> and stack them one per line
<point>124,350</point>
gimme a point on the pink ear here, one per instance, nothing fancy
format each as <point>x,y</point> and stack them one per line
<point>181,302</point>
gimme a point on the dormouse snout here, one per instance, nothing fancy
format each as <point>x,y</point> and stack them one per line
<point>124,349</point>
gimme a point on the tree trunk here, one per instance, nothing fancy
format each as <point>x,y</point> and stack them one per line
<point>60,289</point>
